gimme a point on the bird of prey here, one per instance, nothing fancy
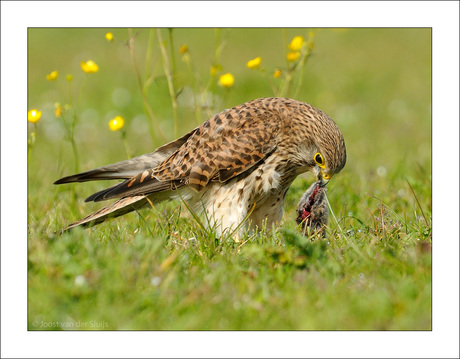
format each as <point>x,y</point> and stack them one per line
<point>236,166</point>
<point>312,210</point>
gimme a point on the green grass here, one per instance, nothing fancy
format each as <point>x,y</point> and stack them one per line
<point>158,269</point>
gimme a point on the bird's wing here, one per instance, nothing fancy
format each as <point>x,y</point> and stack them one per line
<point>129,168</point>
<point>116,209</point>
<point>223,147</point>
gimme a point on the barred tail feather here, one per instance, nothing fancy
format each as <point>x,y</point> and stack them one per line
<point>116,209</point>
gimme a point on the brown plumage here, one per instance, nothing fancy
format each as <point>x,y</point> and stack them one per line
<point>242,159</point>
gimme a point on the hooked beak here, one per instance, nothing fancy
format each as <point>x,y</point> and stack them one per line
<point>322,177</point>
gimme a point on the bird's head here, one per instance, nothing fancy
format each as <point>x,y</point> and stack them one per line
<point>331,155</point>
<point>323,147</point>
<point>328,162</point>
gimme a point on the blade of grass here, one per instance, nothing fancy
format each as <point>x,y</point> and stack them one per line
<point>418,203</point>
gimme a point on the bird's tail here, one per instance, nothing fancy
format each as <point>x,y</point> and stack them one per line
<point>116,209</point>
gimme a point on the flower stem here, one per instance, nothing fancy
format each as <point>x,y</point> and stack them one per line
<point>31,142</point>
<point>272,86</point>
<point>148,59</point>
<point>302,63</point>
<point>125,143</point>
<point>71,131</point>
<point>197,87</point>
<point>170,77</point>
<point>173,58</point>
<point>74,145</point>
<point>144,96</point>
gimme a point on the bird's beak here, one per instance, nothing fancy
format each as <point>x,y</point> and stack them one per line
<point>322,177</point>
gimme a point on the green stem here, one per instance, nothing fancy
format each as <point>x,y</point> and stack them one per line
<point>169,77</point>
<point>215,60</point>
<point>286,84</point>
<point>173,57</point>
<point>80,92</point>
<point>285,46</point>
<point>125,143</point>
<point>287,78</point>
<point>272,86</point>
<point>219,45</point>
<point>70,92</point>
<point>31,142</point>
<point>148,77</point>
<point>74,146</point>
<point>196,84</point>
<point>73,125</point>
<point>141,86</point>
<point>148,60</point>
<point>302,70</point>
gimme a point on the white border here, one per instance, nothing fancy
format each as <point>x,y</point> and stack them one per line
<point>441,342</point>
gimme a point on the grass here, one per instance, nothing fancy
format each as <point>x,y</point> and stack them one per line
<point>158,269</point>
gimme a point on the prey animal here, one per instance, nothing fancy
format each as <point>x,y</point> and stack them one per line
<point>236,166</point>
<point>312,210</point>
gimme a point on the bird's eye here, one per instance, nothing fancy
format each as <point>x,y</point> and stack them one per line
<point>319,160</point>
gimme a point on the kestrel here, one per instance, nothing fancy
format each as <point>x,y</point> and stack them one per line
<point>236,166</point>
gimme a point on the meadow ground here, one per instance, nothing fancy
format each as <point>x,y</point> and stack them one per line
<point>158,269</point>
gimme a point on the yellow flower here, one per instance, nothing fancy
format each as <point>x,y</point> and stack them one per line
<point>57,109</point>
<point>277,74</point>
<point>109,36</point>
<point>52,76</point>
<point>116,123</point>
<point>183,49</point>
<point>254,63</point>
<point>89,66</point>
<point>34,115</point>
<point>69,77</point>
<point>227,80</point>
<point>296,43</point>
<point>293,56</point>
